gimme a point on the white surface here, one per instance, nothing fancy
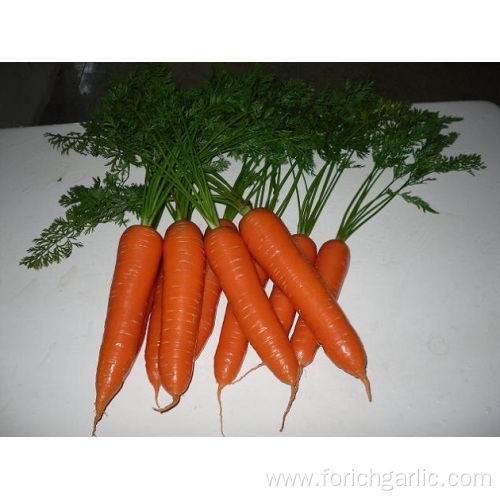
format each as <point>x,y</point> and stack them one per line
<point>422,291</point>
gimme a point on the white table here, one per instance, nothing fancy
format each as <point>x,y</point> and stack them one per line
<point>422,291</point>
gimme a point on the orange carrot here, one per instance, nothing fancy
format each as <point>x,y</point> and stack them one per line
<point>232,345</point>
<point>210,300</point>
<point>211,295</point>
<point>272,246</point>
<point>183,280</point>
<point>153,338</point>
<point>332,264</point>
<point>235,268</point>
<point>231,348</point>
<point>280,302</point>
<point>137,263</point>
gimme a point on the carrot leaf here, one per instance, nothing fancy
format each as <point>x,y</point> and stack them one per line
<point>105,201</point>
<point>406,149</point>
<point>418,202</point>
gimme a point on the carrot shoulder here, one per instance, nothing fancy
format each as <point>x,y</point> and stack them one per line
<point>137,263</point>
<point>273,248</point>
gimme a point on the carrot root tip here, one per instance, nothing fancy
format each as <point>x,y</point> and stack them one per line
<point>219,399</point>
<point>247,373</point>
<point>97,419</point>
<point>293,395</point>
<point>157,394</point>
<point>174,403</point>
<point>366,383</point>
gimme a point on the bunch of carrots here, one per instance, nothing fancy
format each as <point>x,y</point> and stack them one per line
<point>287,142</point>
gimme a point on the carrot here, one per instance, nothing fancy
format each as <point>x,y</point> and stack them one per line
<point>231,348</point>
<point>153,338</point>
<point>229,355</point>
<point>183,280</point>
<point>137,263</point>
<point>332,264</point>
<point>231,261</point>
<point>211,295</point>
<point>232,345</point>
<point>272,246</point>
<point>281,304</point>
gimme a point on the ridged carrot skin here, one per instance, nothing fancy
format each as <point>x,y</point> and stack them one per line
<point>282,306</point>
<point>211,295</point>
<point>272,246</point>
<point>137,263</point>
<point>231,350</point>
<point>153,334</point>
<point>280,302</point>
<point>183,281</point>
<point>332,264</point>
<point>210,300</point>
<point>231,261</point>
<point>233,344</point>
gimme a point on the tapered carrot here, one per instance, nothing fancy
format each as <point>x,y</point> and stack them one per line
<point>231,348</point>
<point>284,307</point>
<point>272,246</point>
<point>232,345</point>
<point>211,295</point>
<point>210,300</point>
<point>183,280</point>
<point>332,264</point>
<point>230,260</point>
<point>281,304</point>
<point>151,351</point>
<point>138,259</point>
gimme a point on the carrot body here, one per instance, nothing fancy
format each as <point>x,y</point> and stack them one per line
<point>138,260</point>
<point>281,304</point>
<point>231,348</point>
<point>211,296</point>
<point>151,351</point>
<point>183,281</point>
<point>210,300</point>
<point>272,246</point>
<point>235,268</point>
<point>233,344</point>
<point>332,264</point>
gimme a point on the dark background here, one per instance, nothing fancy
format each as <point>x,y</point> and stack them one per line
<point>52,93</point>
